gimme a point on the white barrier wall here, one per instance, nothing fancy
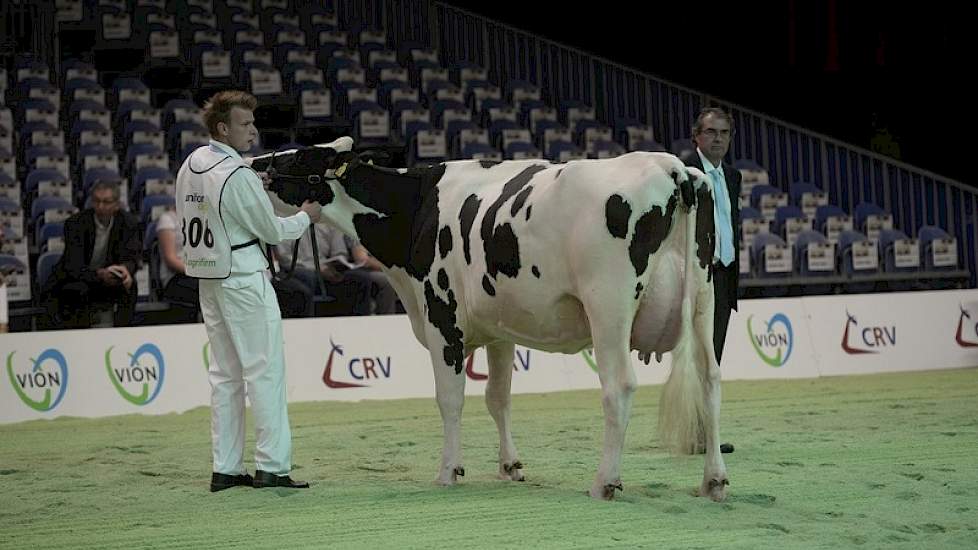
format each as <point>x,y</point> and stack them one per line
<point>156,370</point>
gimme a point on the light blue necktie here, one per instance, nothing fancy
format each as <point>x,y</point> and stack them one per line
<point>725,227</point>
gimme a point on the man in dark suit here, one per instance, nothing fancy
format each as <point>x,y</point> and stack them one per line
<point>96,272</point>
<point>712,133</point>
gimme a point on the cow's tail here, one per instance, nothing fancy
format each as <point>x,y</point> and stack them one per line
<point>683,400</point>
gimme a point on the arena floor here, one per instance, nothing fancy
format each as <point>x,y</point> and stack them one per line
<point>871,461</point>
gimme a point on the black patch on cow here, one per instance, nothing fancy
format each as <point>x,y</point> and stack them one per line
<point>528,208</point>
<point>487,286</point>
<point>424,231</point>
<point>442,316</point>
<point>705,227</point>
<point>638,290</point>
<point>466,216</point>
<point>520,200</point>
<point>444,241</point>
<point>488,163</point>
<point>442,279</point>
<point>650,230</point>
<point>503,252</point>
<point>536,272</point>
<point>685,189</point>
<point>617,212</point>
<point>500,243</point>
<point>409,202</point>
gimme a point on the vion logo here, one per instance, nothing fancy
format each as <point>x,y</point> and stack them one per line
<point>773,341</point>
<point>967,333</point>
<point>858,340</point>
<point>522,358</point>
<point>43,384</point>
<point>140,379</point>
<point>359,368</point>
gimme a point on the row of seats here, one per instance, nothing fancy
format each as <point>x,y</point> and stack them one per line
<point>64,131</point>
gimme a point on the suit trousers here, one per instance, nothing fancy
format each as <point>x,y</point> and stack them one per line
<point>721,309</point>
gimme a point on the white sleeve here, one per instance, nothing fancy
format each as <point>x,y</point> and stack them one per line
<point>246,202</point>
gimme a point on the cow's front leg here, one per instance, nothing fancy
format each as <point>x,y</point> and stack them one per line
<point>617,387</point>
<point>498,402</point>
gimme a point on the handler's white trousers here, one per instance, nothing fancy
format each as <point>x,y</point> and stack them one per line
<point>244,326</point>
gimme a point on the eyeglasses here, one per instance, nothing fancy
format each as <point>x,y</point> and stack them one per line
<point>713,133</point>
<point>107,202</point>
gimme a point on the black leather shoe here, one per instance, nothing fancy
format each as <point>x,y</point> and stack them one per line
<point>219,482</point>
<point>265,479</point>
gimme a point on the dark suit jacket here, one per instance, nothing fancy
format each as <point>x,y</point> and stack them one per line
<point>124,247</point>
<point>732,176</point>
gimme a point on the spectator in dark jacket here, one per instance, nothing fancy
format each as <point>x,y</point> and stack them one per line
<point>96,275</point>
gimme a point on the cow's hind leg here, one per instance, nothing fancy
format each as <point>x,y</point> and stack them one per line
<point>715,480</point>
<point>498,402</point>
<point>610,333</point>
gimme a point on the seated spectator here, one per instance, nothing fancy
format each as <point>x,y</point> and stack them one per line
<point>94,280</point>
<point>352,294</point>
<point>178,289</point>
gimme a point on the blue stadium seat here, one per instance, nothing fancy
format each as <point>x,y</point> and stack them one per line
<point>41,174</point>
<point>824,212</point>
<point>757,248</point>
<point>518,148</point>
<point>750,213</point>
<point>782,214</point>
<point>802,242</point>
<point>845,255</point>
<point>927,235</point>
<point>45,267</point>
<point>47,232</point>
<point>864,210</point>
<point>747,164</point>
<point>797,189</point>
<point>89,177</point>
<point>43,204</point>
<point>557,148</point>
<point>476,150</point>
<point>887,240</point>
<point>649,145</point>
<point>151,201</point>
<point>606,149</point>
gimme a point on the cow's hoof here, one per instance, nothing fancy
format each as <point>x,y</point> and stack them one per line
<point>715,488</point>
<point>512,472</point>
<point>450,477</point>
<point>606,492</point>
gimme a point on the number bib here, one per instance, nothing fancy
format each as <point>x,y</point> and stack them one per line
<point>200,182</point>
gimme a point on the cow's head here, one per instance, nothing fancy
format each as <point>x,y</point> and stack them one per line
<point>308,173</point>
<point>301,174</point>
<point>374,205</point>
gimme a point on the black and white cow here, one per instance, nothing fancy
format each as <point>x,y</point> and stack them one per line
<point>557,257</point>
